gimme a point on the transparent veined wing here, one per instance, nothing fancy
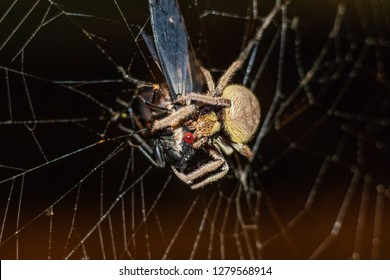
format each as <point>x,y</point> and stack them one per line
<point>170,38</point>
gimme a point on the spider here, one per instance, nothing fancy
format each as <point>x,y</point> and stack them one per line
<point>222,120</point>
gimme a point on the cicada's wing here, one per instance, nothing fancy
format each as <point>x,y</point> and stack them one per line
<point>171,42</point>
<point>148,39</point>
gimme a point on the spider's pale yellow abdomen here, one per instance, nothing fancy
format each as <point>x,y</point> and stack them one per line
<point>242,118</point>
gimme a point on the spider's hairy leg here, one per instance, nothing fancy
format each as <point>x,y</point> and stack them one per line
<point>209,81</point>
<point>219,161</point>
<point>197,173</point>
<point>224,80</point>
<point>243,149</point>
<point>175,118</point>
<point>206,99</point>
<point>225,147</point>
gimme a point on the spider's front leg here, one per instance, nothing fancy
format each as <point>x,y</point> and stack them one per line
<point>174,119</point>
<point>206,99</point>
<point>218,162</point>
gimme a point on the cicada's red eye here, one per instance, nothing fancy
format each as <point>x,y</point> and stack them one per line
<point>188,137</point>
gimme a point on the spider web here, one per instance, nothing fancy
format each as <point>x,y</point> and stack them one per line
<point>318,187</point>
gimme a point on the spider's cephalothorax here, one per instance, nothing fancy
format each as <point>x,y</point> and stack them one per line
<point>222,120</point>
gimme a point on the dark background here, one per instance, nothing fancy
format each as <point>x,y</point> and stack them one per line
<point>330,149</point>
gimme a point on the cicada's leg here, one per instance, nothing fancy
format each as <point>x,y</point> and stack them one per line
<point>154,155</point>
